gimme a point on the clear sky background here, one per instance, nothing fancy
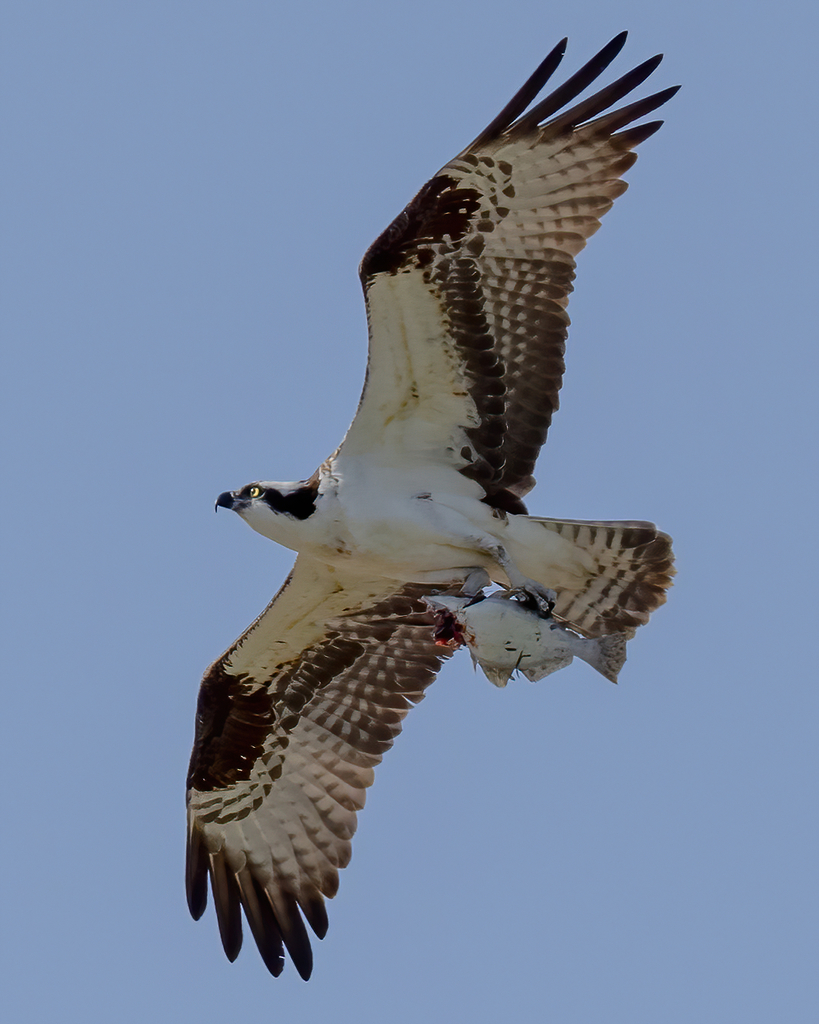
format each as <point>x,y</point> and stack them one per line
<point>188,188</point>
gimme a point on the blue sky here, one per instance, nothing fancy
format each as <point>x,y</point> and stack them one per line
<point>188,188</point>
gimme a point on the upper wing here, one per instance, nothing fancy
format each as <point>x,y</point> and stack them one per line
<point>467,289</point>
<point>290,723</point>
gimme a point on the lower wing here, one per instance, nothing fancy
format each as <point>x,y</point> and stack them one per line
<point>290,724</point>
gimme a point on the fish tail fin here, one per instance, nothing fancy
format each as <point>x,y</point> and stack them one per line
<point>607,654</point>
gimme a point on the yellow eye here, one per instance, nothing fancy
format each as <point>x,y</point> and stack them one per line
<point>255,491</point>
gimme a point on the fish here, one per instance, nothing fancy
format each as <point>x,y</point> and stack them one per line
<point>511,631</point>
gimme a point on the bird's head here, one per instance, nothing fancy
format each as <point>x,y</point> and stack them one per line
<point>266,506</point>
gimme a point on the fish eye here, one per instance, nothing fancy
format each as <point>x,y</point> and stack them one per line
<point>255,491</point>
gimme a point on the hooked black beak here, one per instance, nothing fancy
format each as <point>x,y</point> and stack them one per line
<point>225,500</point>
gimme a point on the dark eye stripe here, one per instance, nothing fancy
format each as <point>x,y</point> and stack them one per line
<point>300,504</point>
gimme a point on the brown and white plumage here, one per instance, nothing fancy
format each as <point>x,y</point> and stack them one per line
<point>487,249</point>
<point>290,724</point>
<point>466,299</point>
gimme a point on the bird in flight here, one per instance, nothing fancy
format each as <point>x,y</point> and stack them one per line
<point>466,294</point>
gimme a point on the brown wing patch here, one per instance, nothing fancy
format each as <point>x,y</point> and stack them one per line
<point>442,209</point>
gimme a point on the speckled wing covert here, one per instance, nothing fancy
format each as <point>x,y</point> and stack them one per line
<point>467,289</point>
<point>291,721</point>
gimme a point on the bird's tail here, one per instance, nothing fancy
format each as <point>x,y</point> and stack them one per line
<point>609,576</point>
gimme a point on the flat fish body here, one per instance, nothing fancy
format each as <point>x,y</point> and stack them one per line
<point>506,633</point>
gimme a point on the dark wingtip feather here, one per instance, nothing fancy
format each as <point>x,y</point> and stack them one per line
<point>634,136</point>
<point>263,925</point>
<point>601,60</point>
<point>633,111</point>
<point>232,943</point>
<point>227,901</point>
<point>606,97</point>
<point>524,96</point>
<point>196,878</point>
<point>573,86</point>
<point>315,913</point>
<point>305,967</point>
<point>294,934</point>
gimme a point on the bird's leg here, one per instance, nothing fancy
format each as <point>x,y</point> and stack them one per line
<point>543,597</point>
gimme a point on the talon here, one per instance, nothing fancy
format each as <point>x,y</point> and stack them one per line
<point>544,606</point>
<point>544,598</point>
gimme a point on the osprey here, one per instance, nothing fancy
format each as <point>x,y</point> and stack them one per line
<point>466,295</point>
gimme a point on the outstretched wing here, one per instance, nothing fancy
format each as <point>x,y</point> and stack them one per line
<point>467,289</point>
<point>291,721</point>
